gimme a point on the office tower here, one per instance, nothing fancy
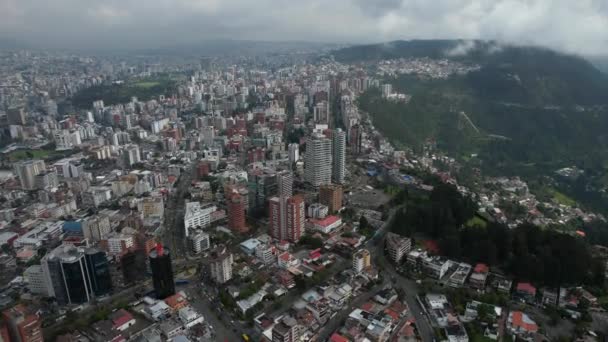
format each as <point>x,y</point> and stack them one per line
<point>331,196</point>
<point>338,156</point>
<point>220,265</point>
<point>99,271</point>
<point>36,282</point>
<point>236,213</point>
<point>284,184</point>
<point>16,116</point>
<point>67,275</point>
<point>296,215</point>
<point>23,326</point>
<point>27,171</point>
<point>355,139</point>
<point>162,272</point>
<point>318,160</point>
<point>361,260</point>
<point>131,154</point>
<point>294,153</point>
<point>288,330</point>
<point>133,265</point>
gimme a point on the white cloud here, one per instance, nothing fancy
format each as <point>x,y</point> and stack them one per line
<point>575,26</point>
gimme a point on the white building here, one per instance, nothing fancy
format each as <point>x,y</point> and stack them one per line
<point>119,243</point>
<point>398,246</point>
<point>189,317</point>
<point>197,216</point>
<point>131,154</point>
<point>221,265</point>
<point>318,162</point>
<point>294,153</point>
<point>200,242</point>
<point>36,281</point>
<point>318,211</point>
<point>265,253</point>
<point>339,156</point>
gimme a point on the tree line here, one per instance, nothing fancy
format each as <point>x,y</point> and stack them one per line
<point>527,252</point>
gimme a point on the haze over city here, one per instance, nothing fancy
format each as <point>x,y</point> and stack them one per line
<point>571,26</point>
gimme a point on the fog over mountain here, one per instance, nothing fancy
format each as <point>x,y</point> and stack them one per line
<point>571,26</point>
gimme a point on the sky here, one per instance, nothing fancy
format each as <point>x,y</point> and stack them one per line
<point>575,26</point>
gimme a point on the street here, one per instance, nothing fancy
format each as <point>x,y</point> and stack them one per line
<point>376,245</point>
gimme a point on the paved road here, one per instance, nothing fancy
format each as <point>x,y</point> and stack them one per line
<point>334,323</point>
<point>173,227</point>
<point>376,246</point>
<point>216,319</point>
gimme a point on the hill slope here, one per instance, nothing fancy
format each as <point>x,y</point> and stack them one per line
<point>532,106</point>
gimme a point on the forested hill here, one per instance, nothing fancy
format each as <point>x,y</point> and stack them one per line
<point>524,75</point>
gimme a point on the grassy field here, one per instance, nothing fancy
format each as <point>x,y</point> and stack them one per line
<point>476,221</point>
<point>146,84</point>
<point>562,198</point>
<point>27,154</point>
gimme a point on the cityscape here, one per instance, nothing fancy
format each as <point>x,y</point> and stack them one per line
<point>291,192</point>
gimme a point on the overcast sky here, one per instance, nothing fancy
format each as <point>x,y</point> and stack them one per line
<point>579,26</point>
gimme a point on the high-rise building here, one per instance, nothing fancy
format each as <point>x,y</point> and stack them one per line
<point>16,116</point>
<point>220,264</point>
<point>318,164</point>
<point>296,216</point>
<point>275,217</point>
<point>131,154</point>
<point>361,260</point>
<point>99,271</point>
<point>355,139</point>
<point>294,153</point>
<point>162,272</point>
<point>287,218</point>
<point>23,326</point>
<point>236,213</point>
<point>67,275</point>
<point>285,184</point>
<point>338,156</point>
<point>331,196</point>
<point>36,282</point>
<point>288,330</point>
<point>27,171</point>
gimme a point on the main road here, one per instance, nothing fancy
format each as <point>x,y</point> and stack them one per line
<point>376,247</point>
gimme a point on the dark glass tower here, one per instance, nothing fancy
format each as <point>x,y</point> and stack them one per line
<point>133,265</point>
<point>67,275</point>
<point>99,271</point>
<point>162,272</point>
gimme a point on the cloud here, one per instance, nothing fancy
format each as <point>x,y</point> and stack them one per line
<point>574,26</point>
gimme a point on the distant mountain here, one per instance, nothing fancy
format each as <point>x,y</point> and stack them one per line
<point>528,75</point>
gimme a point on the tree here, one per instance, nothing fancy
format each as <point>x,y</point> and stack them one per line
<point>6,248</point>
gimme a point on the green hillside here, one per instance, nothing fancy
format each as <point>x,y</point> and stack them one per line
<point>524,107</point>
<point>527,112</point>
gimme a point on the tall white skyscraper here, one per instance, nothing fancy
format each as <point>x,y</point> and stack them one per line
<point>294,153</point>
<point>317,161</point>
<point>339,155</point>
